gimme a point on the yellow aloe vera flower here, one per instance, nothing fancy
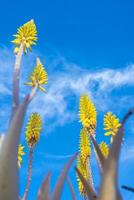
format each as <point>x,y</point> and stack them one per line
<point>83,168</point>
<point>87,112</point>
<point>84,147</point>
<point>33,129</point>
<point>38,77</point>
<point>20,154</point>
<point>26,36</point>
<point>104,149</point>
<point>111,125</point>
<point>83,158</point>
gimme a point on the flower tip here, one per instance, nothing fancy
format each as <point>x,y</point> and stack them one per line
<point>26,35</point>
<point>38,62</point>
<point>32,20</point>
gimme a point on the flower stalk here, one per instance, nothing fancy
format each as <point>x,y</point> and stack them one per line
<point>16,78</point>
<point>29,174</point>
<point>33,92</point>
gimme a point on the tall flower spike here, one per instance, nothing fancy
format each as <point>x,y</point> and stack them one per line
<point>26,36</point>
<point>111,125</point>
<point>104,149</point>
<point>38,77</point>
<point>83,159</point>
<point>33,129</point>
<point>84,147</point>
<point>20,154</point>
<point>87,113</point>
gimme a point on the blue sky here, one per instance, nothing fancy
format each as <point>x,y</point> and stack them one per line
<point>87,47</point>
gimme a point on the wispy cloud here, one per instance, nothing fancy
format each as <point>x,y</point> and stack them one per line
<point>127,154</point>
<point>67,81</point>
<point>65,87</point>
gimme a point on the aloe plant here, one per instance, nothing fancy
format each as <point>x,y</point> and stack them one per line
<point>10,149</point>
<point>10,158</point>
<point>108,188</point>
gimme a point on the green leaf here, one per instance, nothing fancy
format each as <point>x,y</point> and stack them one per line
<point>87,186</point>
<point>44,191</point>
<point>98,153</point>
<point>109,188</point>
<point>60,183</point>
<point>9,180</point>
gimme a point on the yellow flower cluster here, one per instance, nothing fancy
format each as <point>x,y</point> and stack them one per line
<point>104,149</point>
<point>26,36</point>
<point>20,154</point>
<point>84,147</point>
<point>33,129</point>
<point>38,77</point>
<point>87,112</point>
<point>111,125</point>
<point>83,158</point>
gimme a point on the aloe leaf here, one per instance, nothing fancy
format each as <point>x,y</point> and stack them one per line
<point>109,189</point>
<point>9,155</point>
<point>98,153</point>
<point>44,191</point>
<point>71,188</point>
<point>2,136</point>
<point>60,183</point>
<point>87,186</point>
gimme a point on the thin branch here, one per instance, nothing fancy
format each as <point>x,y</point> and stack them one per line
<point>129,113</point>
<point>29,174</point>
<point>127,188</point>
<point>16,78</point>
<point>33,92</point>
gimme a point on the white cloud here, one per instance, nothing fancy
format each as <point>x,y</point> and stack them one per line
<point>4,89</point>
<point>63,85</point>
<point>66,82</point>
<point>127,153</point>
